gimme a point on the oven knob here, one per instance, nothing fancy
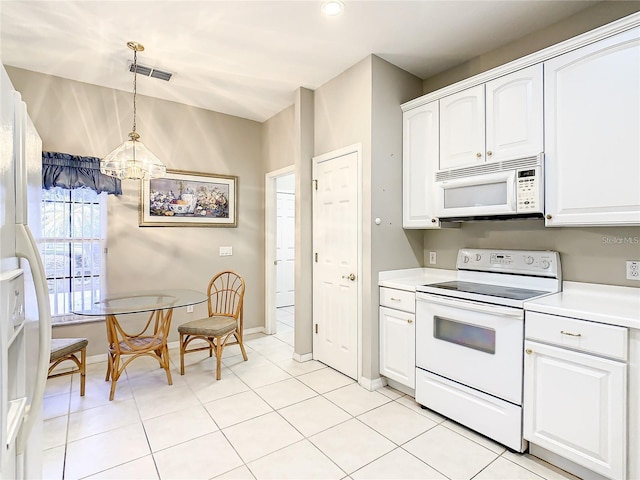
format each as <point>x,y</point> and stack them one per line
<point>528,260</point>
<point>544,263</point>
<point>465,259</point>
<point>478,257</point>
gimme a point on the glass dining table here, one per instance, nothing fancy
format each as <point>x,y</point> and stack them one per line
<point>131,341</point>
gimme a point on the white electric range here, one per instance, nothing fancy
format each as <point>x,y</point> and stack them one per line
<point>470,338</point>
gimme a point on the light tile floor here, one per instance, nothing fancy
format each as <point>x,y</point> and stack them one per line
<point>284,324</point>
<point>268,418</point>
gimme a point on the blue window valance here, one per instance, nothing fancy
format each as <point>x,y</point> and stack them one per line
<point>73,171</point>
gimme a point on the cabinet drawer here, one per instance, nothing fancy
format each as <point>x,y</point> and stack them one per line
<point>398,299</point>
<point>580,335</point>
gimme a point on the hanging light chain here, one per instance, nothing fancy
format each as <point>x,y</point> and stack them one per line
<point>135,76</point>
<point>132,159</point>
<point>136,47</point>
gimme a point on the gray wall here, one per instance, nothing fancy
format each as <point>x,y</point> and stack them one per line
<point>359,106</point>
<point>278,140</point>
<point>343,118</point>
<point>83,119</point>
<point>392,247</point>
<point>304,128</point>
<point>362,105</point>
<point>588,254</point>
<point>594,255</point>
<point>600,14</point>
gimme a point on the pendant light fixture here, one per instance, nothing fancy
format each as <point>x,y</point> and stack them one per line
<point>132,159</point>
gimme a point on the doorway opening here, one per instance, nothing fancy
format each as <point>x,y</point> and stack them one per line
<point>280,254</point>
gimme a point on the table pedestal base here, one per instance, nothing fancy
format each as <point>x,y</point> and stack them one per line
<point>150,341</point>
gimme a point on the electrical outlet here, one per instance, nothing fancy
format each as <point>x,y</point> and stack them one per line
<point>189,308</point>
<point>433,259</point>
<point>633,270</point>
<point>226,251</point>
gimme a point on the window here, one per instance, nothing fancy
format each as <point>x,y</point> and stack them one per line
<point>73,246</point>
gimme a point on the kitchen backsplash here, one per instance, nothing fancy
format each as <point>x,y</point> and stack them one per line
<point>589,254</point>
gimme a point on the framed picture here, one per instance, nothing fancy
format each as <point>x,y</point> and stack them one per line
<point>189,199</point>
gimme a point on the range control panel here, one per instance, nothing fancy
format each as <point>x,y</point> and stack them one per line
<point>545,263</point>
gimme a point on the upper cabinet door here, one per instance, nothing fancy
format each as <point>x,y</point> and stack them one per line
<point>419,163</point>
<point>514,107</point>
<point>592,120</point>
<point>462,128</point>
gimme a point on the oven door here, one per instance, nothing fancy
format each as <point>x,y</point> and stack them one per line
<point>477,344</point>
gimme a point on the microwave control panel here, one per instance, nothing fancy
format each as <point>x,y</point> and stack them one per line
<point>527,190</point>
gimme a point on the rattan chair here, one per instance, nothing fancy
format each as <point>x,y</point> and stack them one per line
<point>63,349</point>
<point>225,321</point>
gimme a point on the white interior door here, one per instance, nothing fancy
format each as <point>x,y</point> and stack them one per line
<point>335,273</point>
<point>285,249</point>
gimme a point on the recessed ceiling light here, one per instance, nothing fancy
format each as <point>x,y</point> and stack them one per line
<point>332,8</point>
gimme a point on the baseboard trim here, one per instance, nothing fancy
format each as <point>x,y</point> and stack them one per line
<point>302,357</point>
<point>249,331</point>
<point>370,384</point>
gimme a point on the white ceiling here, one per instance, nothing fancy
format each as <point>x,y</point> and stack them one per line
<point>247,58</point>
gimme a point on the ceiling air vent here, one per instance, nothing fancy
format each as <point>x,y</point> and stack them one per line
<point>151,72</point>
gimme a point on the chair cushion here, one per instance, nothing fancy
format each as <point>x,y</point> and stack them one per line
<point>209,327</point>
<point>139,343</point>
<point>61,347</point>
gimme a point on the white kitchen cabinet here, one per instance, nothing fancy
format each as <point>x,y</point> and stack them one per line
<point>462,136</point>
<point>419,163</point>
<point>398,336</point>
<point>592,120</point>
<point>499,120</point>
<point>514,115</point>
<point>575,401</point>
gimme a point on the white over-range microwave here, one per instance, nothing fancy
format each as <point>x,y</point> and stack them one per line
<point>498,190</point>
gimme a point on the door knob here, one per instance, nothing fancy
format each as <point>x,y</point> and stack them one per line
<point>351,276</point>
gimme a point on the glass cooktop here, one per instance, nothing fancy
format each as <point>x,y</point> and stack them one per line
<point>501,291</point>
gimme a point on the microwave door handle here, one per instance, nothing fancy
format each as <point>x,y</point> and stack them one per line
<point>474,306</point>
<point>512,183</point>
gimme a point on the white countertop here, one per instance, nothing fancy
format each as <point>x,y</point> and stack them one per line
<point>608,304</point>
<point>409,278</point>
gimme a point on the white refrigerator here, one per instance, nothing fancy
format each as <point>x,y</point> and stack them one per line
<point>25,319</point>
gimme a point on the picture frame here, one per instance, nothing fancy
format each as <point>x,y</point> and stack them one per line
<point>189,199</point>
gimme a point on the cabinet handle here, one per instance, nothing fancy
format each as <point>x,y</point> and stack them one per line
<point>394,299</point>
<point>549,217</point>
<point>528,351</point>
<point>489,153</point>
<point>409,321</point>
<point>478,155</point>
<point>433,220</point>
<point>570,334</point>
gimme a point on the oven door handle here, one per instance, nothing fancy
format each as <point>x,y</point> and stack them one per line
<point>473,306</point>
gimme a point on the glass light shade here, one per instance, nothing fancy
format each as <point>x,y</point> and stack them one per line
<point>132,160</point>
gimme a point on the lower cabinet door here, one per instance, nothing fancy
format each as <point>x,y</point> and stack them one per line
<point>398,346</point>
<point>575,407</point>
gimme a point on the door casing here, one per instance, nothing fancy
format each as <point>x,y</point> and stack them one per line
<point>270,229</point>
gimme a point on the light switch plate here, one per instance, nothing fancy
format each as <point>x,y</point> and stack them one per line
<point>633,270</point>
<point>433,258</point>
<point>226,251</point>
